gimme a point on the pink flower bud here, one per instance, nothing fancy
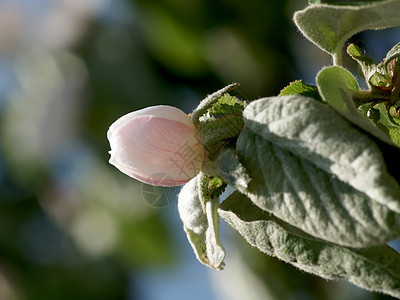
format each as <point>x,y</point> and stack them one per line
<point>157,145</point>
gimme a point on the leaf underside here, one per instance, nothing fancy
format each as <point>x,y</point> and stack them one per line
<point>200,222</point>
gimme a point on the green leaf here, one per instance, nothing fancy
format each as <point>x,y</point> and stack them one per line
<point>337,87</point>
<point>200,222</point>
<point>298,87</point>
<point>220,124</point>
<point>216,187</point>
<point>315,132</point>
<point>330,26</point>
<point>340,89</point>
<point>209,101</point>
<point>215,183</point>
<point>374,269</point>
<point>366,63</point>
<point>227,104</point>
<point>379,116</point>
<point>314,170</point>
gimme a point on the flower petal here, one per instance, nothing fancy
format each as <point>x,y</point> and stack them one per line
<point>156,150</point>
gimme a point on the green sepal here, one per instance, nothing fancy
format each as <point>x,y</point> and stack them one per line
<point>227,104</point>
<point>209,101</point>
<point>217,133</point>
<point>216,186</point>
<point>220,123</point>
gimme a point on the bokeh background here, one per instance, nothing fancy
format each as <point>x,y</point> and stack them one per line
<point>71,225</point>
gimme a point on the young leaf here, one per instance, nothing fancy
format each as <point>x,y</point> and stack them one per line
<point>338,87</point>
<point>227,104</point>
<point>200,220</point>
<point>298,87</point>
<point>388,124</point>
<point>314,170</point>
<point>330,26</point>
<point>216,187</point>
<point>205,104</point>
<point>391,55</point>
<point>374,269</point>
<point>366,63</point>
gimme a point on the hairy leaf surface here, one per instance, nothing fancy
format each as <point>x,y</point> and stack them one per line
<point>200,221</point>
<point>340,89</point>
<point>311,168</point>
<point>375,269</point>
<point>329,26</point>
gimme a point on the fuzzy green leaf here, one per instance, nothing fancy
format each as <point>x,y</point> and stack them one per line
<point>298,87</point>
<point>366,63</point>
<point>340,89</point>
<point>317,133</point>
<point>374,269</point>
<point>311,168</point>
<point>330,26</point>
<point>200,221</point>
<point>379,116</point>
<point>227,104</point>
<point>220,123</point>
<point>209,101</point>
